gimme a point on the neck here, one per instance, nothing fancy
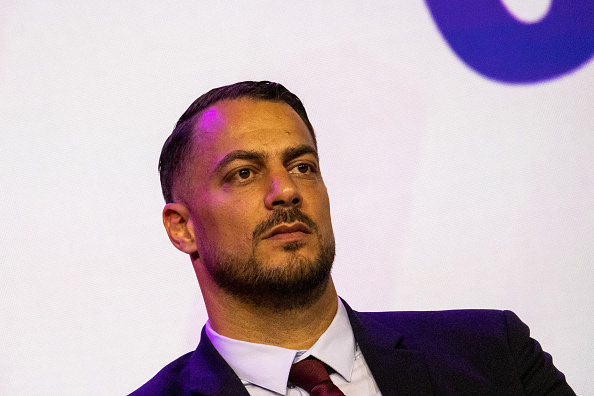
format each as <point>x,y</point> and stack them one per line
<point>297,328</point>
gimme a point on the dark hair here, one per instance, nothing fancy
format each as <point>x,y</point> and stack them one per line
<point>178,147</point>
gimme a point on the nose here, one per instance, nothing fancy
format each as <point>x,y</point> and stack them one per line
<point>283,192</point>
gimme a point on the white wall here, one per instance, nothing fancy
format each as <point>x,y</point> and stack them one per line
<point>449,190</point>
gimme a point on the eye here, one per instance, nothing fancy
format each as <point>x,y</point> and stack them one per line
<point>244,173</point>
<point>302,168</point>
<point>239,176</point>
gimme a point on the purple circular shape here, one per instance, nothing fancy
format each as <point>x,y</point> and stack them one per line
<point>498,46</point>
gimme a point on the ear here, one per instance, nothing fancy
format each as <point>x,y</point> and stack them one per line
<point>179,226</point>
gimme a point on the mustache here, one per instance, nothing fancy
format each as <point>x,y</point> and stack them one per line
<point>279,216</point>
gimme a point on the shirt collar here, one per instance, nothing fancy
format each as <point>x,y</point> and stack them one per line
<point>268,366</point>
<point>336,346</point>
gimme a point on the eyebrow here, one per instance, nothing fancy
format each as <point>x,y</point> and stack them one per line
<point>246,155</point>
<point>259,156</point>
<point>295,152</point>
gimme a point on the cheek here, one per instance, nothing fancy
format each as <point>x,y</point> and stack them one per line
<point>319,199</point>
<point>229,224</point>
<point>323,209</point>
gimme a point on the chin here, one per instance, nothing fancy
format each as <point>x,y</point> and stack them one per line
<point>293,246</point>
<point>291,281</point>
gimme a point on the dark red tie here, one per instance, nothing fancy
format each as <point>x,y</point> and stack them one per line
<point>311,375</point>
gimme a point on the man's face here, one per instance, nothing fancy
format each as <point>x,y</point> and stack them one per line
<point>258,203</point>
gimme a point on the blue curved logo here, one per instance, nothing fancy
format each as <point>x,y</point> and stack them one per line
<point>491,41</point>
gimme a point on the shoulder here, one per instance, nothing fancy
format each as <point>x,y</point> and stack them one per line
<point>474,320</point>
<point>203,371</point>
<point>451,329</point>
<point>459,316</point>
<point>168,381</point>
<point>490,342</point>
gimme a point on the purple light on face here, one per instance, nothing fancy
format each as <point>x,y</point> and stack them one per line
<point>211,121</point>
<point>490,40</point>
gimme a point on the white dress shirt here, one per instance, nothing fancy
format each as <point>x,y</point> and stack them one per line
<point>264,369</point>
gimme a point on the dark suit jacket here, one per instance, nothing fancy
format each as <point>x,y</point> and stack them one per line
<point>465,352</point>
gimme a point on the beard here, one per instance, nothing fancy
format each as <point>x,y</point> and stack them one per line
<point>297,283</point>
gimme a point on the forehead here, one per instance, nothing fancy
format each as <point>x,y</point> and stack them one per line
<point>247,124</point>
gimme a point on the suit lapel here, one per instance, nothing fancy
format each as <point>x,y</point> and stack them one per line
<point>396,370</point>
<point>209,374</point>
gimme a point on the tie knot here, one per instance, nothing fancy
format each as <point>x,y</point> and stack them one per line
<point>311,375</point>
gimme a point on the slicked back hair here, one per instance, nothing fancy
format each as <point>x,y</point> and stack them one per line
<point>177,149</point>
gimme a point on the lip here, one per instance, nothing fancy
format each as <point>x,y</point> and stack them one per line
<point>284,231</point>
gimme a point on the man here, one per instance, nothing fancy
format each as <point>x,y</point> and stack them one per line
<point>246,201</point>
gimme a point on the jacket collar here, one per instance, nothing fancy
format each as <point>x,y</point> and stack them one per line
<point>208,373</point>
<point>396,370</point>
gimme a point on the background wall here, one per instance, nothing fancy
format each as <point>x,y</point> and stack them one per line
<point>451,187</point>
